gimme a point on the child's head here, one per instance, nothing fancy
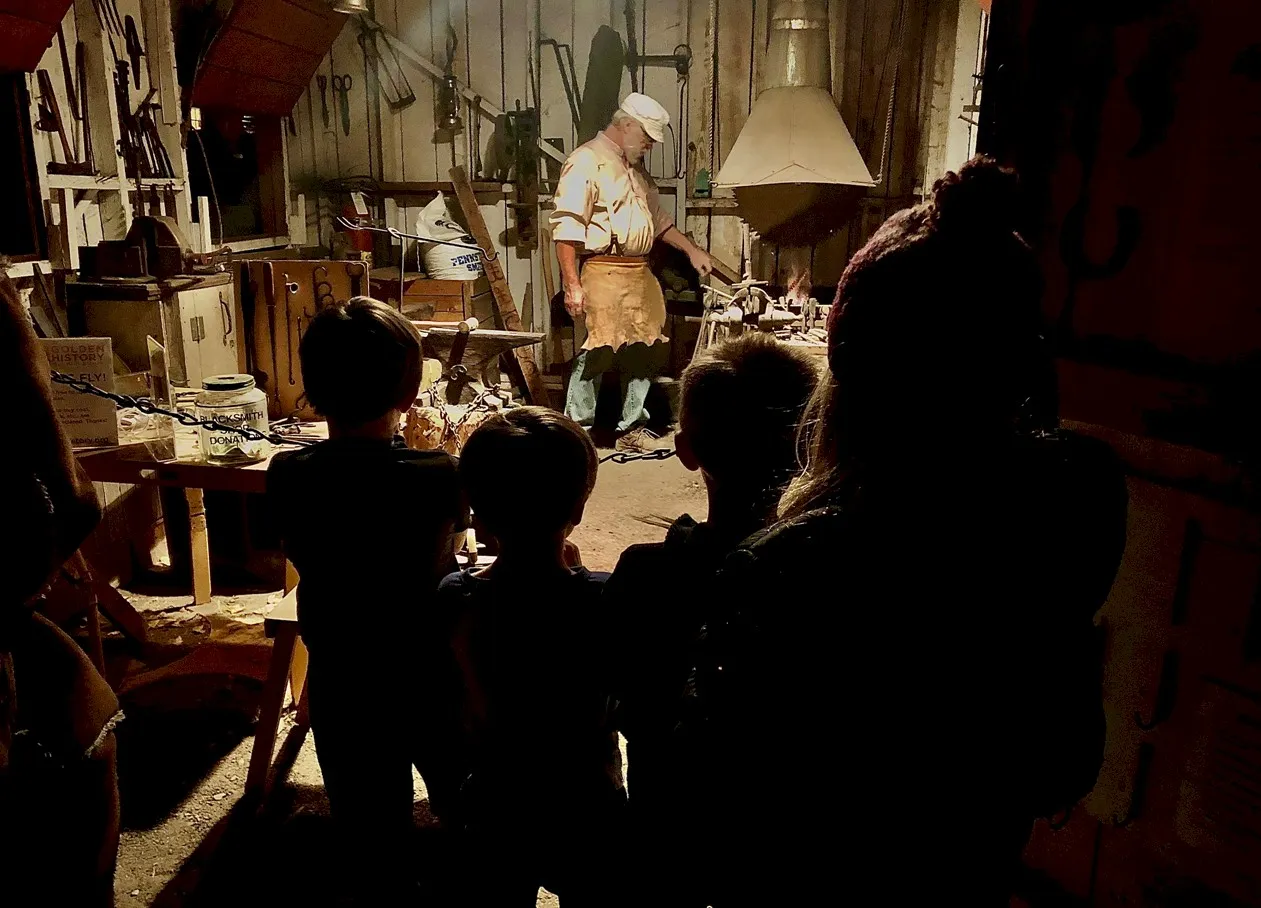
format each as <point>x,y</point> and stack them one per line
<point>551,450</point>
<point>360,360</point>
<point>741,407</point>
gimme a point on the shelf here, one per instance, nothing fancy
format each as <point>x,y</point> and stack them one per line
<point>711,203</point>
<point>85,181</point>
<point>27,268</point>
<point>174,183</point>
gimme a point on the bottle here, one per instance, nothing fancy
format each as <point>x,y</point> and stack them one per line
<point>234,401</point>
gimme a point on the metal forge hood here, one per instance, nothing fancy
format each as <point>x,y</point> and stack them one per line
<point>795,170</point>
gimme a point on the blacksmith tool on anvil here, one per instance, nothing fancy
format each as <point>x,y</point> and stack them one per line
<point>457,374</point>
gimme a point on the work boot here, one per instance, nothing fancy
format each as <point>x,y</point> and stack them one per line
<point>639,441</point>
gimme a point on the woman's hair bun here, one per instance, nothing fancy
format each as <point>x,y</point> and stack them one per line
<point>982,195</point>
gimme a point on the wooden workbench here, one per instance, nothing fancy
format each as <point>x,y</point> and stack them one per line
<point>286,668</point>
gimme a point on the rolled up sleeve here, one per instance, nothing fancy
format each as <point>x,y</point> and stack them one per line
<point>662,220</point>
<point>575,200</point>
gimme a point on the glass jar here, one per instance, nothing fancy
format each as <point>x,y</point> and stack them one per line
<point>234,401</point>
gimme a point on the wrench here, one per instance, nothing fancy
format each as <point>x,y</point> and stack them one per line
<point>291,287</point>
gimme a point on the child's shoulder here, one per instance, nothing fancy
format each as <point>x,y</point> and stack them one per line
<point>339,454</point>
<point>458,583</point>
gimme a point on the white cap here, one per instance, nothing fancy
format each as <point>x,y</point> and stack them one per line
<point>651,115</point>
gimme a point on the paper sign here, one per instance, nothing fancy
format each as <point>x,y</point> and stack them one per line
<point>89,421</point>
<point>361,206</point>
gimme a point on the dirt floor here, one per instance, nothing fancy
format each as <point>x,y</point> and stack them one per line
<point>188,841</point>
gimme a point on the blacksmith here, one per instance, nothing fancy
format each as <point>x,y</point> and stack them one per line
<point>608,214</point>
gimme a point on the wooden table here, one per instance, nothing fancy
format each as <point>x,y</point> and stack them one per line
<point>133,465</point>
<point>286,668</point>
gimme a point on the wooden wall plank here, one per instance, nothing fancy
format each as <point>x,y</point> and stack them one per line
<point>735,70</point>
<point>416,29</point>
<point>662,29</point>
<point>457,14</point>
<point>904,144</point>
<point>938,114</point>
<point>395,121</point>
<point>556,21</point>
<point>853,74</point>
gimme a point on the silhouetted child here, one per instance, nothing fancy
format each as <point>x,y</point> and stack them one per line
<point>544,799</point>
<point>369,525</point>
<point>739,415</point>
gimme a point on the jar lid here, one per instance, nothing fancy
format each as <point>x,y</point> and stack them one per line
<point>233,382</point>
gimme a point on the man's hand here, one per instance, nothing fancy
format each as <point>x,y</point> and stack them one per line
<point>700,261</point>
<point>575,300</point>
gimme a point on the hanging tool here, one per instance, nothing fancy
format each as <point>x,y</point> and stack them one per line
<point>129,139</point>
<point>400,94</point>
<point>107,13</point>
<point>131,40</point>
<point>632,50</point>
<point>50,115</point>
<point>322,82</point>
<point>681,59</point>
<point>81,78</point>
<point>68,76</point>
<point>291,287</point>
<point>342,86</point>
<point>322,290</point>
<point>449,100</point>
<point>161,161</point>
<point>568,77</point>
<point>522,130</point>
<point>269,288</point>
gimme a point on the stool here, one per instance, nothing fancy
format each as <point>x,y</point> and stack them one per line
<point>287,669</point>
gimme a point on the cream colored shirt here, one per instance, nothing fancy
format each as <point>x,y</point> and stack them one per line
<point>605,204</point>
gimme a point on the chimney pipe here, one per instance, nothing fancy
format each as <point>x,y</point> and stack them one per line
<point>798,54</point>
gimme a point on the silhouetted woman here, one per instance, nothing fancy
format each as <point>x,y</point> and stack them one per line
<point>908,672</point>
<point>58,784</point>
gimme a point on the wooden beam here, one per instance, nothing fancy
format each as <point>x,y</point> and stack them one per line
<point>522,359</point>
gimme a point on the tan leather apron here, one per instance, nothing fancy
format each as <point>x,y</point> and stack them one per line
<point>624,302</point>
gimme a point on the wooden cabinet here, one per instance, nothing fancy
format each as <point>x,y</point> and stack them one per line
<point>196,320</point>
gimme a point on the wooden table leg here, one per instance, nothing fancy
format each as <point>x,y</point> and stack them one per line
<point>199,539</point>
<point>297,673</point>
<point>272,702</point>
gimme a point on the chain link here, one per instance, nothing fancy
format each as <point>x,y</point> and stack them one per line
<point>147,406</point>
<point>628,456</point>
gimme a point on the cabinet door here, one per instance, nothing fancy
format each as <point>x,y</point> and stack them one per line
<point>208,325</point>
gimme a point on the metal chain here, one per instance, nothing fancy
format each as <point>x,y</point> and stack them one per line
<point>147,406</point>
<point>628,456</point>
